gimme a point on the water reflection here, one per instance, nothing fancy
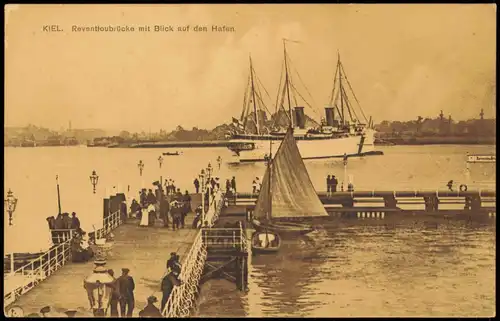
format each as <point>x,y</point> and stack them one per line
<point>419,269</point>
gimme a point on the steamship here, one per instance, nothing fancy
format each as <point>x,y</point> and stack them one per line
<point>340,133</point>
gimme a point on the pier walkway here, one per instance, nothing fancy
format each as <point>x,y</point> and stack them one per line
<point>144,250</point>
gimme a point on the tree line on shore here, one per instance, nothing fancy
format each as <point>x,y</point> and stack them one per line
<point>420,127</point>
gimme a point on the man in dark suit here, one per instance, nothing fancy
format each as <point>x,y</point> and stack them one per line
<point>127,286</point>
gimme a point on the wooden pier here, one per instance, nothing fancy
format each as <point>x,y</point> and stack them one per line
<point>64,289</point>
<point>32,273</point>
<point>200,250</point>
<point>383,204</point>
<point>227,255</point>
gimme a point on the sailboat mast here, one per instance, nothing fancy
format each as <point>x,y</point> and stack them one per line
<point>341,91</point>
<point>269,195</point>
<point>253,96</point>
<point>288,87</point>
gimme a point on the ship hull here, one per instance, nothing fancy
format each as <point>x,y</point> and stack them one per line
<point>309,148</point>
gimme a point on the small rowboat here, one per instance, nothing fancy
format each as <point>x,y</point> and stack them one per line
<point>265,242</point>
<point>289,229</point>
<point>171,154</point>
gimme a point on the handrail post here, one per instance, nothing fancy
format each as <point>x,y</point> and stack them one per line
<point>41,267</point>
<point>48,260</point>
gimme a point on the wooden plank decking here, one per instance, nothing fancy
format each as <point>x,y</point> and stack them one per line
<point>144,250</point>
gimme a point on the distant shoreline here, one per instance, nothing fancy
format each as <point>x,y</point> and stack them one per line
<point>453,140</point>
<point>387,141</point>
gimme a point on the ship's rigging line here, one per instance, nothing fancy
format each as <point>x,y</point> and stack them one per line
<point>245,105</point>
<point>334,86</point>
<point>258,94</point>
<point>303,84</point>
<point>348,103</point>
<point>353,94</point>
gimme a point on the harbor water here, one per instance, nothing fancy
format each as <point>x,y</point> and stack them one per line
<point>442,268</point>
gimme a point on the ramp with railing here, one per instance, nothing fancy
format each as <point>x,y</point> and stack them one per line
<point>28,276</point>
<point>182,299</point>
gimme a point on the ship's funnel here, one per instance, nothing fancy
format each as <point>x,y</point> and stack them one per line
<point>262,117</point>
<point>300,119</point>
<point>330,117</point>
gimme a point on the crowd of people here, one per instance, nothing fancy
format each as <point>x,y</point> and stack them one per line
<point>168,205</point>
<point>122,301</point>
<point>61,228</point>
<point>63,222</point>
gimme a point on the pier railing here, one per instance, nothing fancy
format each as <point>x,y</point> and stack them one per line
<point>110,223</point>
<point>183,297</point>
<point>214,212</point>
<point>225,238</point>
<point>28,276</point>
<point>62,235</point>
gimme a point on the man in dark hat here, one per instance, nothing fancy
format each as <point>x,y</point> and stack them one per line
<point>196,183</point>
<point>52,222</point>
<point>66,221</point>
<point>328,184</point>
<point>164,209</point>
<point>75,222</point>
<point>167,285</point>
<point>151,198</point>
<point>150,311</point>
<point>143,197</point>
<point>335,182</point>
<point>176,212</point>
<point>233,184</point>
<point>115,295</point>
<point>127,286</point>
<point>171,261</point>
<point>178,195</point>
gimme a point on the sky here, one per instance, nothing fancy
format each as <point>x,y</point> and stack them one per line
<point>403,61</point>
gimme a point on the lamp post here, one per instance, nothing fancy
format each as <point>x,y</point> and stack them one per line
<point>141,167</point>
<point>209,170</point>
<point>202,180</point>
<point>99,287</point>
<point>10,204</point>
<point>160,162</point>
<point>219,161</point>
<point>345,171</point>
<point>94,179</point>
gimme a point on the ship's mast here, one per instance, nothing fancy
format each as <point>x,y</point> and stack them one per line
<point>253,96</point>
<point>288,87</point>
<point>340,89</point>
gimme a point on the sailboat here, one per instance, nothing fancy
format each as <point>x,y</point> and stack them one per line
<point>344,130</point>
<point>287,193</point>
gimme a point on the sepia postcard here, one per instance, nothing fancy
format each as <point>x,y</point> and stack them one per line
<point>250,160</point>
